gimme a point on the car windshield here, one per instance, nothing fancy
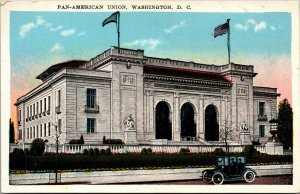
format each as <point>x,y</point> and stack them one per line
<point>222,161</point>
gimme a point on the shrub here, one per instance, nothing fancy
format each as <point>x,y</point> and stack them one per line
<point>218,151</point>
<point>77,141</point>
<point>112,141</point>
<point>149,150</point>
<point>73,141</point>
<point>91,151</point>
<point>256,143</point>
<point>85,152</point>
<point>96,151</point>
<point>17,151</point>
<point>144,151</point>
<point>102,151</point>
<point>184,150</point>
<point>108,151</point>
<point>81,140</point>
<point>21,152</point>
<point>37,146</point>
<point>249,151</point>
<point>26,151</point>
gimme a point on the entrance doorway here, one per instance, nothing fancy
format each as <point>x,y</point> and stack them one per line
<point>211,124</point>
<point>188,125</point>
<point>163,125</point>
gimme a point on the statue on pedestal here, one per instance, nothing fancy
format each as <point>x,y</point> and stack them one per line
<point>244,127</point>
<point>129,123</point>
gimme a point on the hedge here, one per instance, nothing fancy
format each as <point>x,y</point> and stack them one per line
<point>80,161</point>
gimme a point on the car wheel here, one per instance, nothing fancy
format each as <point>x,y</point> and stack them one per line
<point>217,178</point>
<point>205,177</point>
<point>249,176</point>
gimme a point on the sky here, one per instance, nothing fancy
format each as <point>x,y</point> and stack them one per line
<point>41,39</point>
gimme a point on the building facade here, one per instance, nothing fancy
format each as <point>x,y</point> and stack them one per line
<point>123,94</point>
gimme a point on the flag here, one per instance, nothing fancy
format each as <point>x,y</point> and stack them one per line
<point>112,18</point>
<point>221,29</point>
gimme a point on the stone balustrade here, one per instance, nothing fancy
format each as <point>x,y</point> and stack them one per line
<point>78,148</point>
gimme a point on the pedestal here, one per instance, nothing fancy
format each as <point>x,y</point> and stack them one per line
<point>274,148</point>
<point>130,137</point>
<point>245,138</point>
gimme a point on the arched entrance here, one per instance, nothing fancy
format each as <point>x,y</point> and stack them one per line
<point>188,125</point>
<point>211,124</point>
<point>163,125</point>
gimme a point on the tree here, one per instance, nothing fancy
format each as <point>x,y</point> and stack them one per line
<point>285,123</point>
<point>11,132</point>
<point>227,134</point>
<point>37,146</point>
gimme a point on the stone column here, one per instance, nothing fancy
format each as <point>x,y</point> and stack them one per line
<point>176,131</point>
<point>151,111</point>
<point>200,125</point>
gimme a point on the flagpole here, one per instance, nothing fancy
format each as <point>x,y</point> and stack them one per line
<point>118,30</point>
<point>228,41</point>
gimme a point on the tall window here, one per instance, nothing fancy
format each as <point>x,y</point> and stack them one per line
<point>27,112</point>
<point>20,116</point>
<point>45,128</point>
<point>33,131</point>
<point>49,126</point>
<point>37,131</point>
<point>58,98</point>
<point>41,106</point>
<point>30,110</point>
<point>49,103</point>
<point>91,98</point>
<point>27,133</point>
<point>90,125</point>
<point>45,105</point>
<point>261,130</point>
<point>20,134</point>
<point>30,132</point>
<point>41,130</point>
<point>37,108</point>
<point>261,108</point>
<point>33,109</point>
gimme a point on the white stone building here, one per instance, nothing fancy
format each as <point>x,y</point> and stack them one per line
<point>169,101</point>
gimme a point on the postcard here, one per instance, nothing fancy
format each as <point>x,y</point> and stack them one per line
<point>149,96</point>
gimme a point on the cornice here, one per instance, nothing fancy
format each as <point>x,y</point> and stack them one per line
<point>266,94</point>
<point>44,86</point>
<point>239,73</point>
<point>186,80</point>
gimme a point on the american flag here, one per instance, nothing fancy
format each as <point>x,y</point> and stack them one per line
<point>221,29</point>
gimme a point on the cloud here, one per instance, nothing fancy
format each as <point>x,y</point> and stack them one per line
<point>40,20</point>
<point>53,29</point>
<point>145,43</point>
<point>175,27</point>
<point>68,32</point>
<point>26,28</point>
<point>272,28</point>
<point>252,24</point>
<point>81,34</point>
<point>57,47</point>
<point>241,27</point>
<point>258,27</point>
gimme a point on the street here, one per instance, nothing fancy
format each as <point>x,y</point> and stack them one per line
<point>266,180</point>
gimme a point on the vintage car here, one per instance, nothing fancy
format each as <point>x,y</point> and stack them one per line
<point>229,168</point>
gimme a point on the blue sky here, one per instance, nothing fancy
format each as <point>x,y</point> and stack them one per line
<point>80,35</point>
<point>40,39</point>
